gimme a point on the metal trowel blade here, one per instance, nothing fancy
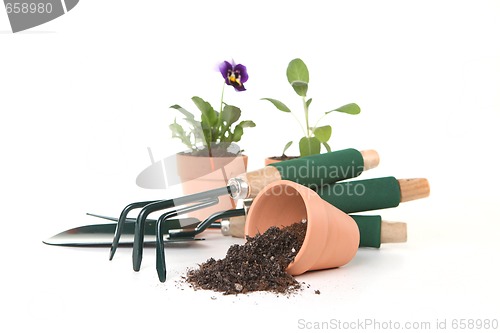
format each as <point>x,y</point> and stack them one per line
<point>102,234</point>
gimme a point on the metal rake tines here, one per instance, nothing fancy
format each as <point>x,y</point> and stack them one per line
<point>185,234</point>
<point>149,207</point>
<point>121,222</point>
<point>160,250</point>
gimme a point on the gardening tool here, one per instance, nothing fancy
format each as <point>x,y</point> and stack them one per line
<point>102,234</point>
<point>332,237</point>
<point>349,197</point>
<point>371,194</point>
<point>372,229</point>
<point>316,170</point>
<point>355,196</point>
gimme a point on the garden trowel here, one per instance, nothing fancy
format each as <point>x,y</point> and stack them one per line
<point>102,234</point>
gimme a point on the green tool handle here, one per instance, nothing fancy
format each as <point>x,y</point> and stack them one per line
<point>374,231</point>
<point>317,170</point>
<point>312,171</point>
<point>369,230</point>
<point>362,195</point>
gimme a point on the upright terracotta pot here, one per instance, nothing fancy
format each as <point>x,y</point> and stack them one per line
<point>332,236</point>
<point>199,173</point>
<point>270,160</point>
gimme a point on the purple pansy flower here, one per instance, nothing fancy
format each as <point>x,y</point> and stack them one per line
<point>235,75</point>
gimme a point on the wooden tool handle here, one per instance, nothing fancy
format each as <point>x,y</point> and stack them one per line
<point>237,226</point>
<point>257,180</point>
<point>414,188</point>
<point>313,171</point>
<point>371,159</point>
<point>389,232</point>
<point>393,232</point>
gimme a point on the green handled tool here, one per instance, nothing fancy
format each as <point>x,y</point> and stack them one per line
<point>353,196</point>
<point>372,194</point>
<point>97,235</point>
<point>312,171</point>
<point>373,230</point>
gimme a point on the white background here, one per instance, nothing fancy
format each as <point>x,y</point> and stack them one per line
<point>82,97</point>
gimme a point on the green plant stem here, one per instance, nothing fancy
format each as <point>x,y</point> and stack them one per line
<point>219,121</point>
<point>209,150</point>
<point>222,99</point>
<point>306,111</point>
<point>298,121</point>
<point>321,118</point>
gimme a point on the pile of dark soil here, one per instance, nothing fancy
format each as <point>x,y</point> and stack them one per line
<point>258,265</point>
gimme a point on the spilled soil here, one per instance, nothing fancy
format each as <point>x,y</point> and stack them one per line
<point>258,265</point>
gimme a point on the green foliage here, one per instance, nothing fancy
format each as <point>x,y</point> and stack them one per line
<point>309,146</point>
<point>315,136</point>
<point>286,147</point>
<point>298,76</point>
<point>279,105</point>
<point>351,108</point>
<point>214,128</point>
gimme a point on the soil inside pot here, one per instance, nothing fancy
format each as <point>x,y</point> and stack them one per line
<point>283,158</point>
<point>258,265</point>
<point>220,150</point>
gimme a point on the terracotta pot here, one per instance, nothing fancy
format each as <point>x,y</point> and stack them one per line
<point>332,236</point>
<point>199,173</point>
<point>270,160</point>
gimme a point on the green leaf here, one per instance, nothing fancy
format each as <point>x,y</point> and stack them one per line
<point>179,133</point>
<point>286,147</point>
<point>327,146</point>
<point>207,129</point>
<point>279,105</point>
<point>238,133</point>
<point>206,110</point>
<point>199,135</point>
<point>227,138</point>
<point>297,71</point>
<point>323,133</point>
<point>230,114</point>
<point>309,102</point>
<point>309,146</point>
<point>195,125</point>
<point>300,88</point>
<point>185,112</point>
<point>351,108</point>
<point>246,123</point>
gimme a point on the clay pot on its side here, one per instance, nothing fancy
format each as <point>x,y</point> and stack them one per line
<point>332,237</point>
<point>200,173</point>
